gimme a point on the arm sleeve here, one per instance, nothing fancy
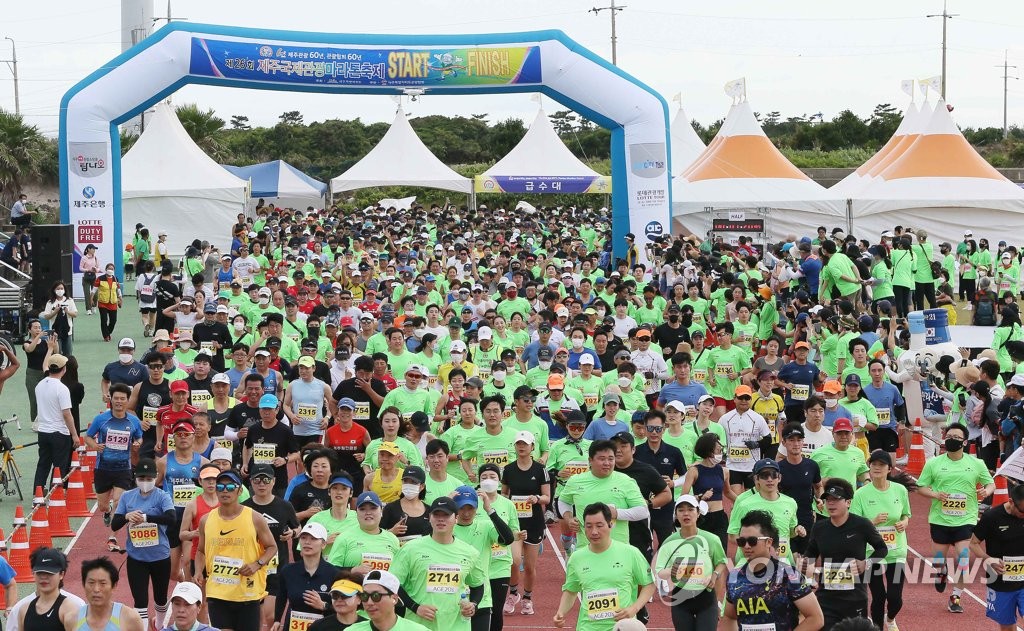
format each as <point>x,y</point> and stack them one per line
<point>407,600</point>
<point>637,513</point>
<point>564,508</point>
<point>505,536</point>
<point>118,522</point>
<point>476,594</point>
<point>166,518</point>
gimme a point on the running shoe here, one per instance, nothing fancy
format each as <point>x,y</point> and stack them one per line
<point>510,603</point>
<point>527,608</point>
<point>941,580</point>
<point>890,625</point>
<point>549,517</point>
<point>954,605</point>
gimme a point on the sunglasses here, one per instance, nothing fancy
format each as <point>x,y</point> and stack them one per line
<point>655,429</point>
<point>155,366</point>
<point>374,596</point>
<point>528,399</point>
<point>341,596</point>
<point>768,475</point>
<point>230,486</point>
<point>263,479</point>
<point>743,542</point>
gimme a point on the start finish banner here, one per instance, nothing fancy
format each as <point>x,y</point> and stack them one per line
<point>543,184</point>
<point>403,67</point>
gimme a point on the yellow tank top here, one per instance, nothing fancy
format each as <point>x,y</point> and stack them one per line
<point>388,491</point>
<point>231,544</point>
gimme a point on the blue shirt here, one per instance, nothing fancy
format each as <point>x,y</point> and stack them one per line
<point>236,376</point>
<point>811,267</point>
<point>530,352</point>
<point>800,375</point>
<point>688,394</point>
<point>832,415</point>
<point>885,398</point>
<point>130,374</point>
<point>116,435</point>
<point>156,503</point>
<point>574,358</point>
<point>7,573</point>
<point>599,429</point>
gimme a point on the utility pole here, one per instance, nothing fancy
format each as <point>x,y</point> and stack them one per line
<point>613,9</point>
<point>12,63</point>
<point>1006,81</point>
<point>946,16</point>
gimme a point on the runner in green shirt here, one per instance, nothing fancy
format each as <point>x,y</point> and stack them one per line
<point>692,562</point>
<point>569,456</point>
<point>955,482</point>
<point>439,482</point>
<point>367,547</point>
<point>611,578</point>
<point>392,424</point>
<point>457,437</point>
<point>727,362</point>
<point>338,518</point>
<point>379,599</point>
<point>412,395</point>
<point>500,569</point>
<point>766,496</point>
<point>602,483</point>
<point>524,419</point>
<point>491,443</point>
<point>483,532</point>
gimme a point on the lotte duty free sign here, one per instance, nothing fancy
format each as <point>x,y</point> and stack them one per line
<point>734,225</point>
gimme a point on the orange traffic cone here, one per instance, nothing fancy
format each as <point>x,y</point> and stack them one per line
<point>60,526</point>
<point>39,533</point>
<point>915,463</point>
<point>3,553</point>
<point>973,450</point>
<point>19,548</point>
<point>1001,495</point>
<point>76,492</point>
<point>88,464</point>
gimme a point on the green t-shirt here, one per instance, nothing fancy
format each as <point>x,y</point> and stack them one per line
<point>399,363</point>
<point>701,310</point>
<point>501,556</point>
<point>439,574</point>
<point>744,336</point>
<point>483,536</point>
<point>606,582</point>
<point>691,560</point>
<point>332,525</point>
<point>457,438</point>
<point>880,271</point>
<point>847,464</point>
<point>419,400</point>
<point>862,407</point>
<point>482,447</point>
<point>902,268</point>
<point>869,502</point>
<point>574,456</point>
<point>734,359</point>
<point>840,265</point>
<point>958,478</point>
<point>617,489</point>
<point>768,319</point>
<point>411,452</point>
<point>924,254</point>
<point>536,426</point>
<point>782,510</point>
<point>359,547</point>
<point>437,489</point>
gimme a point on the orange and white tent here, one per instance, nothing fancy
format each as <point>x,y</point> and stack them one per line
<point>939,182</point>
<point>915,121</point>
<point>742,170</point>
<point>686,144</point>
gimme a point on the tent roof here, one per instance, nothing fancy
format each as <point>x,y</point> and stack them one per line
<point>165,162</point>
<point>540,153</point>
<point>401,158</point>
<point>914,122</point>
<point>686,144</point>
<point>278,179</point>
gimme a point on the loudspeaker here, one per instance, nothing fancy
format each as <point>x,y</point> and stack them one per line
<point>52,250</point>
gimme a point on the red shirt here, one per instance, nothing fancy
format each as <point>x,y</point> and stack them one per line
<point>167,417</point>
<point>351,441</point>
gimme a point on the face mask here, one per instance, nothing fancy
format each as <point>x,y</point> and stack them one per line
<point>717,458</point>
<point>499,375</point>
<point>954,444</point>
<point>146,486</point>
<point>411,491</point>
<point>110,272</point>
<point>624,382</point>
<point>59,293</point>
<point>456,358</point>
<point>185,346</point>
<point>489,486</point>
<point>577,343</point>
<point>544,365</point>
<point>239,326</point>
<point>124,358</point>
<point>831,403</point>
<point>673,318</point>
<point>264,300</point>
<point>314,332</point>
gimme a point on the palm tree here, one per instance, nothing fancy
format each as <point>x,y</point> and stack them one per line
<point>22,154</point>
<point>204,128</point>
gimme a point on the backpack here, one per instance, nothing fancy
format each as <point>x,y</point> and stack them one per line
<point>985,311</point>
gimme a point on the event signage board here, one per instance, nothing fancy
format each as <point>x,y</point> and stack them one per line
<point>543,184</point>
<point>330,65</point>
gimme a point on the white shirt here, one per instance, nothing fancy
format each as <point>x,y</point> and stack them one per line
<point>52,398</point>
<point>740,428</point>
<point>651,361</point>
<point>18,209</point>
<point>12,616</point>
<point>622,326</point>
<point>812,440</point>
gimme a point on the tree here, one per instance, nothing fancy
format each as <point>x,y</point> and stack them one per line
<point>563,121</point>
<point>204,129</point>
<point>23,152</point>
<point>293,117</point>
<point>128,140</point>
<point>240,122</point>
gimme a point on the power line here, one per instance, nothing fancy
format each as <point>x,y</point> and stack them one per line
<point>946,17</point>
<point>614,11</point>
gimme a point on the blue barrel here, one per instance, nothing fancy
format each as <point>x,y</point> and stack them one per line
<point>936,322</point>
<point>916,321</point>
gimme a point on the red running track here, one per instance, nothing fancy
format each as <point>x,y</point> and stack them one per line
<point>924,608</point>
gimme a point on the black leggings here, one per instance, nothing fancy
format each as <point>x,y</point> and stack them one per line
<point>54,451</point>
<point>968,287</point>
<point>481,620</point>
<point>924,292</point>
<point>108,320</point>
<point>139,575</point>
<point>699,613</point>
<point>229,614</point>
<point>499,590</point>
<point>886,592</point>
<point>716,522</point>
<point>901,300</point>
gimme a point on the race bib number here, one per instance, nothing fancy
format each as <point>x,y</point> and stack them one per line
<point>783,547</point>
<point>443,579</point>
<point>362,412</point>
<point>590,400</point>
<point>272,566</point>
<point>884,414</point>
<point>301,621</point>
<point>149,414</point>
<point>307,412</point>
<point>524,508</point>
<point>484,374</point>
<point>859,421</point>
<point>955,505</point>
<point>171,443</point>
<point>739,454</point>
<point>225,443</point>
<point>264,453</point>
<point>888,535</point>
<point>146,290</point>
<point>699,375</point>
<point>499,551</point>
<point>837,577</point>
<point>200,398</point>
<point>495,456</point>
<point>182,493</point>
<point>432,381</point>
<point>689,573</point>
<point>648,384</point>
<point>602,604</point>
<point>690,413</point>
<point>144,535</point>
<point>206,346</point>
<point>576,467</point>
<point>799,393</point>
<point>225,570</point>
<point>117,440</point>
<point>376,561</point>
<point>723,370</point>
<point>1013,569</point>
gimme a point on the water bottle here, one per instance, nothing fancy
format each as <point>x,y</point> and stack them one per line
<point>463,598</point>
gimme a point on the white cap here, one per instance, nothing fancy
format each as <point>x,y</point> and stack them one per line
<point>221,377</point>
<point>126,342</point>
<point>385,579</point>
<point>562,311</point>
<point>586,358</point>
<point>220,453</point>
<point>222,309</point>
<point>1017,380</point>
<point>524,436</point>
<point>189,592</point>
<point>483,333</point>
<point>314,529</point>
<point>968,233</point>
<point>458,346</point>
<point>676,405</point>
<point>265,291</point>
<point>702,507</point>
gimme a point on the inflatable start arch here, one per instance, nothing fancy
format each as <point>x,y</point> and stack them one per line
<point>182,53</point>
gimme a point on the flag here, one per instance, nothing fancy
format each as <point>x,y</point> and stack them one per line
<point>537,98</point>
<point>678,98</point>
<point>737,88</point>
<point>907,85</point>
<point>934,83</point>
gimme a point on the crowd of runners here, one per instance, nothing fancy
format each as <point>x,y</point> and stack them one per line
<point>370,420</point>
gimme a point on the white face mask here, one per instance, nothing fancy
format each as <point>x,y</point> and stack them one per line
<point>717,458</point>
<point>185,346</point>
<point>264,300</point>
<point>124,358</point>
<point>624,382</point>
<point>499,375</point>
<point>544,365</point>
<point>831,403</point>
<point>146,486</point>
<point>489,485</point>
<point>577,343</point>
<point>59,293</point>
<point>411,491</point>
<point>456,358</point>
<point>239,326</point>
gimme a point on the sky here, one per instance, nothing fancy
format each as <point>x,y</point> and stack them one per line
<point>798,57</point>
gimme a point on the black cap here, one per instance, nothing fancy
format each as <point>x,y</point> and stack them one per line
<point>673,308</point>
<point>146,467</point>
<point>273,342</point>
<point>575,416</point>
<point>624,437</point>
<point>50,561</point>
<point>765,463</point>
<point>261,469</point>
<point>420,420</point>
<point>837,489</point>
<point>544,326</point>
<point>443,504</point>
<point>880,455</point>
<point>523,390</point>
<point>544,353</point>
<point>415,472</point>
<point>489,466</point>
<point>793,430</point>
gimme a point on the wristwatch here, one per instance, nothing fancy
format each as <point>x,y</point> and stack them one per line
<point>260,562</point>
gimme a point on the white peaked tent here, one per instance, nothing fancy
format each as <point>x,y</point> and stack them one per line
<point>168,184</point>
<point>914,122</point>
<point>686,144</point>
<point>541,163</point>
<point>940,183</point>
<point>280,184</point>
<point>400,159</point>
<point>742,170</point>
